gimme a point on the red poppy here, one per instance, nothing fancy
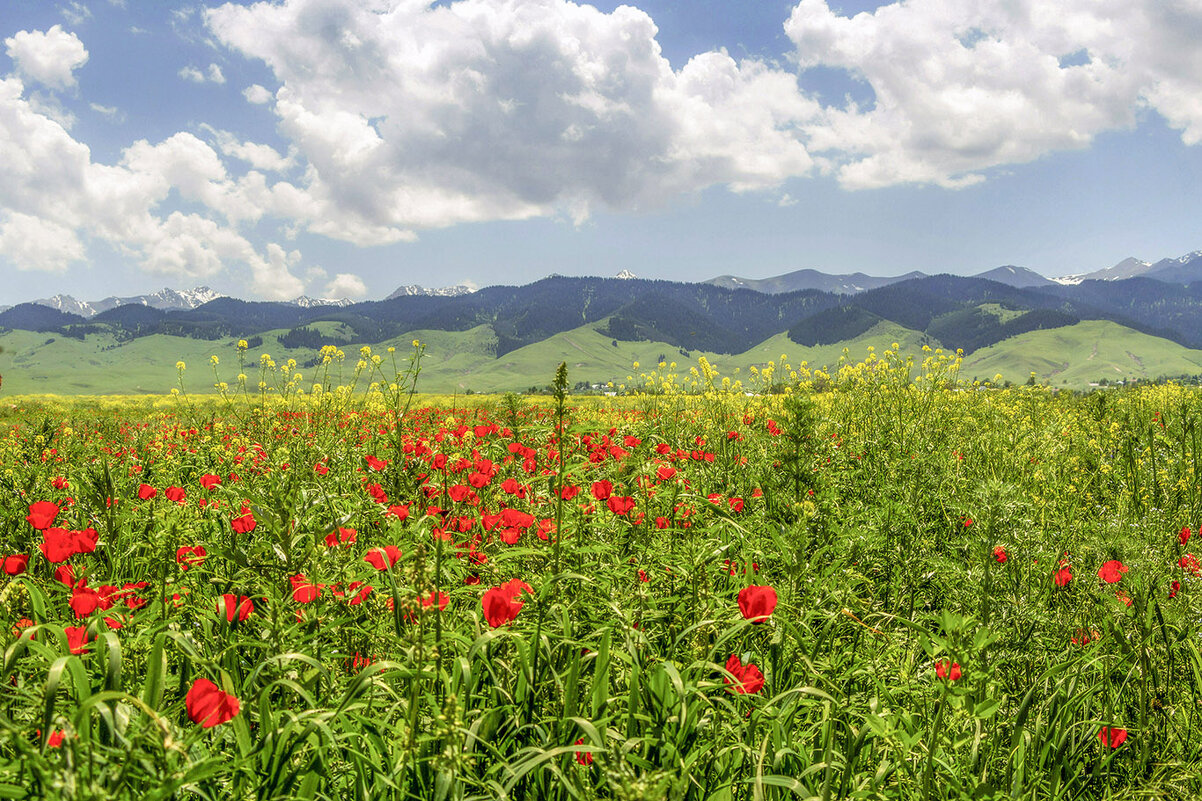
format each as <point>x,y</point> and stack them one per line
<point>1183,536</point>
<point>86,600</point>
<point>77,638</point>
<point>346,536</point>
<point>175,494</point>
<point>208,705</point>
<point>244,523</point>
<point>1174,588</point>
<point>376,557</point>
<point>602,489</point>
<point>502,604</point>
<point>1062,576</point>
<point>999,554</point>
<point>235,606</point>
<point>60,483</point>
<point>1112,736</point>
<point>146,492</point>
<point>947,669</point>
<point>460,493</point>
<point>59,544</point>
<point>665,472</point>
<point>757,602</point>
<point>1189,563</point>
<point>748,680</point>
<point>190,556</point>
<point>374,463</point>
<point>320,469</point>
<point>15,565</point>
<point>1112,571</point>
<point>440,597</point>
<point>305,591</point>
<point>65,574</point>
<point>583,757</point>
<point>41,514</point>
<point>399,512</point>
<point>208,481</point>
<point>55,740</point>
<point>620,504</point>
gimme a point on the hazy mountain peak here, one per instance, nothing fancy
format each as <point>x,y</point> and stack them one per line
<point>306,302</point>
<point>626,275</point>
<point>1019,277</point>
<point>411,290</point>
<point>846,284</point>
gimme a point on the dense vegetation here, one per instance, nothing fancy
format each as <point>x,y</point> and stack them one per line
<point>893,588</point>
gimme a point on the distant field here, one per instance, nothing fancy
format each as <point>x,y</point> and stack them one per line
<point>458,361</point>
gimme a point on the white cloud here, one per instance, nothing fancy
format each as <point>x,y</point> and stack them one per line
<point>52,196</point>
<point>76,13</point>
<point>257,94</point>
<point>35,243</point>
<point>345,285</point>
<point>49,57</point>
<point>212,74</point>
<point>261,157</point>
<point>412,117</point>
<point>112,112</point>
<point>963,85</point>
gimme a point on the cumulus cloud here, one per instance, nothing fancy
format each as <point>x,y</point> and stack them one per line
<point>53,197</point>
<point>963,85</point>
<point>345,285</point>
<point>257,94</point>
<point>48,57</point>
<point>261,157</point>
<point>410,116</point>
<point>34,243</point>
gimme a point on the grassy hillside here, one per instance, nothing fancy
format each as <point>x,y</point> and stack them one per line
<point>1073,356</point>
<point>1076,355</point>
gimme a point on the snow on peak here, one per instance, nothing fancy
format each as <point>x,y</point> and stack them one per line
<point>626,275</point>
<point>306,302</point>
<point>413,290</point>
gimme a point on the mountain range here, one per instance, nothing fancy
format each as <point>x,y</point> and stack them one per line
<point>726,315</point>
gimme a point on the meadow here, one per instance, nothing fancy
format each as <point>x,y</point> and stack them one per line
<point>877,582</point>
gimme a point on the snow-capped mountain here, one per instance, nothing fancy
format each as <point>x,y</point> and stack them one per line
<point>410,290</point>
<point>1183,270</point>
<point>163,299</point>
<point>1129,267</point>
<point>306,302</point>
<point>68,304</point>
<point>626,275</point>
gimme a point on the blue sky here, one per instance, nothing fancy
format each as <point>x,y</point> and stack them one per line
<point>335,147</point>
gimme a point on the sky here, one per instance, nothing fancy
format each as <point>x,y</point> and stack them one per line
<point>343,148</point>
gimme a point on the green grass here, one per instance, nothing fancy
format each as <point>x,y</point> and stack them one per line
<point>1078,355</point>
<point>1003,314</point>
<point>456,361</point>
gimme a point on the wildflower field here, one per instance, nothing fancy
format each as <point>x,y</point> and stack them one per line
<point>886,583</point>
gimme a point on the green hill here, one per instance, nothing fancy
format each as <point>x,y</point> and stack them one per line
<point>1076,356</point>
<point>456,361</point>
